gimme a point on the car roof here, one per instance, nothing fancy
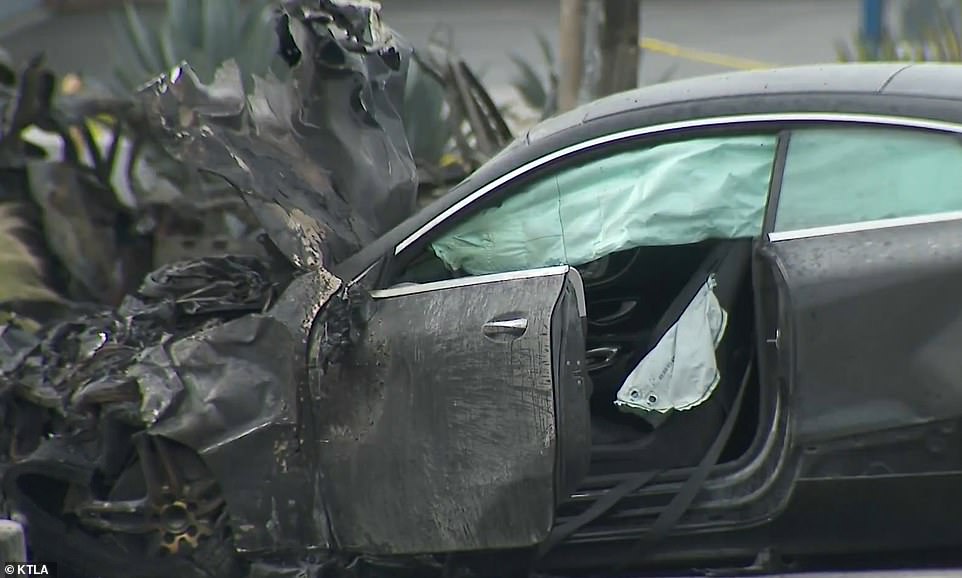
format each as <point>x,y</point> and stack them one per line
<point>939,80</point>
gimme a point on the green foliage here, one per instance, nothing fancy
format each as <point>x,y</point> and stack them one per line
<point>941,41</point>
<point>21,278</point>
<point>539,93</point>
<point>428,131</point>
<point>451,123</point>
<point>205,33</point>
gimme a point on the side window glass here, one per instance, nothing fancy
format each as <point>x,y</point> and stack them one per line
<point>839,176</point>
<point>669,194</point>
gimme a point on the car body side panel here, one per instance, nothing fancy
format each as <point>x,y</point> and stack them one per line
<point>877,326</point>
<point>824,517</point>
<point>437,436</point>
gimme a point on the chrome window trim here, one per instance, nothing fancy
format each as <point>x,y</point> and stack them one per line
<point>362,274</point>
<point>415,288</point>
<point>579,285</point>
<point>849,118</point>
<point>944,217</point>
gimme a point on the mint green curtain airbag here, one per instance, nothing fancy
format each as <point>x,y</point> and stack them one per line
<point>835,177</point>
<point>671,194</point>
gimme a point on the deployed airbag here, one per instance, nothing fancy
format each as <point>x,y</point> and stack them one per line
<point>681,371</point>
<point>670,194</point>
<point>835,177</point>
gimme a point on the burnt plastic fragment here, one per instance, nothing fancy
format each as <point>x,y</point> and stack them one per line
<point>212,285</point>
<point>110,356</point>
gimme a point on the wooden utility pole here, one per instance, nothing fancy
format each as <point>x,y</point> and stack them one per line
<point>599,49</point>
<point>571,53</point>
<point>619,45</point>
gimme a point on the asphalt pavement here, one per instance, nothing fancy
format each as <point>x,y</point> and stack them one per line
<point>486,33</point>
<point>776,32</point>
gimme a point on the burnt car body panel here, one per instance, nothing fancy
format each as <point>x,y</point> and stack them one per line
<point>419,456</point>
<point>272,520</point>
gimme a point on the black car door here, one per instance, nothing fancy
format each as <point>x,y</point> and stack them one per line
<point>866,247</point>
<point>460,419</point>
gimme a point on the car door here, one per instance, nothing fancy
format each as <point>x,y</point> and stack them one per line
<point>460,417</point>
<point>865,246</point>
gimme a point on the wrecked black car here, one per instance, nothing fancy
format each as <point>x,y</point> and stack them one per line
<point>710,324</point>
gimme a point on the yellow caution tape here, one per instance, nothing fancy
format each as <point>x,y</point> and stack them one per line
<point>671,49</point>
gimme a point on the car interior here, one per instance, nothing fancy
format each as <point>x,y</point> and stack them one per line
<point>649,229</point>
<point>633,298</point>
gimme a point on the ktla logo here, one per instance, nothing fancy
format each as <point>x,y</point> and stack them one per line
<point>29,570</point>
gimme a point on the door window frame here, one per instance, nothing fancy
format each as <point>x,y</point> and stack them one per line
<point>778,123</point>
<point>875,121</point>
<point>416,288</point>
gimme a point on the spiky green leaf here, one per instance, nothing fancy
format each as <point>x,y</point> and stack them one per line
<point>188,16</point>
<point>142,40</point>
<point>425,124</point>
<point>529,85</point>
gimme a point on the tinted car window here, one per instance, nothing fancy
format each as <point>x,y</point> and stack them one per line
<point>670,194</point>
<point>849,175</point>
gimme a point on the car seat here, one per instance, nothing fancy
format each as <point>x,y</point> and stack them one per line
<point>683,436</point>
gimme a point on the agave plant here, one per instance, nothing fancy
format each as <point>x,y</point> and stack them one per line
<point>424,114</point>
<point>205,33</point>
<point>540,94</point>
<point>451,123</point>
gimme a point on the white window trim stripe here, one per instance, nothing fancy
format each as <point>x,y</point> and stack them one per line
<point>775,237</point>
<point>414,288</point>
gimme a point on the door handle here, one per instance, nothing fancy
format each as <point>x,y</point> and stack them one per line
<point>777,340</point>
<point>511,327</point>
<point>600,357</point>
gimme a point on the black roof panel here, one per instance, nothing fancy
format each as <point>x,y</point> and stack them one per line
<point>867,78</point>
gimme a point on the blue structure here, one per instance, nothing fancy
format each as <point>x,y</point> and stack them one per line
<point>873,23</point>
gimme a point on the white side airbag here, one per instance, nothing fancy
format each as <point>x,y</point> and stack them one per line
<point>681,371</point>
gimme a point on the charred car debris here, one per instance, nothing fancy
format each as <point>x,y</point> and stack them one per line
<point>119,423</point>
<point>647,334</point>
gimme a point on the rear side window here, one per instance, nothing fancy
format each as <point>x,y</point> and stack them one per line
<point>841,176</point>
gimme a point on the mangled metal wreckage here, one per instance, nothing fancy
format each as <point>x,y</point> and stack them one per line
<point>226,419</point>
<point>131,435</point>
